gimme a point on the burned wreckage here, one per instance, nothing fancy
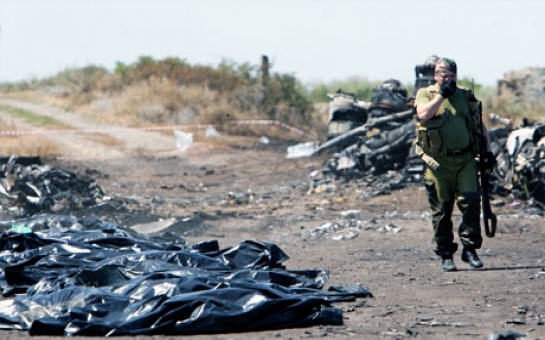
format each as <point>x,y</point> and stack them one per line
<point>372,143</point>
<point>65,271</point>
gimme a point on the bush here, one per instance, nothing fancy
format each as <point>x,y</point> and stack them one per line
<point>171,91</point>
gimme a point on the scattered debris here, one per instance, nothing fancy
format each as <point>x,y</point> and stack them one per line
<point>28,188</point>
<point>379,152</point>
<point>507,335</point>
<point>519,174</point>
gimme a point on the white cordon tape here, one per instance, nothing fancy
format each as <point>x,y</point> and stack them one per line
<point>156,128</point>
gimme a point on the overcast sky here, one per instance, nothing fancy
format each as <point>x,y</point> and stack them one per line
<point>313,40</point>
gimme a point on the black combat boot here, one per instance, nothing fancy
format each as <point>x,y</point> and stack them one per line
<point>470,256</point>
<point>448,263</point>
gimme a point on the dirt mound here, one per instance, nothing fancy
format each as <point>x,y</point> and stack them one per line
<point>525,87</point>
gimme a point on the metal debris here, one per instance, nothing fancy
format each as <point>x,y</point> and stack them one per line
<point>27,187</point>
<point>378,153</point>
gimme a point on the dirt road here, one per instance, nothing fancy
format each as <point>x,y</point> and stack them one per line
<point>381,242</point>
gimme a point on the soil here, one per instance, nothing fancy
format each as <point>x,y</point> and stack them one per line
<point>250,190</point>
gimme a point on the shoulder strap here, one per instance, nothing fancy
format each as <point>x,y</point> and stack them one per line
<point>469,94</point>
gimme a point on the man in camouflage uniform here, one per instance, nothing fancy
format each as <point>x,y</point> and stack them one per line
<point>448,137</point>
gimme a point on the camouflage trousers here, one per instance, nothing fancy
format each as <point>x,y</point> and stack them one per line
<point>455,182</point>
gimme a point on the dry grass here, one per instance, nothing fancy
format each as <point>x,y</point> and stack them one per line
<point>158,102</point>
<point>157,99</point>
<point>27,146</point>
<point>512,110</point>
<point>37,144</point>
<point>33,119</point>
<point>104,139</point>
<point>31,96</point>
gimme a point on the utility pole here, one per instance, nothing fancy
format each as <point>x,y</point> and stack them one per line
<point>264,70</point>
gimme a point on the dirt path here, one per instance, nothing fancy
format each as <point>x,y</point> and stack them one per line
<point>92,140</point>
<point>381,242</point>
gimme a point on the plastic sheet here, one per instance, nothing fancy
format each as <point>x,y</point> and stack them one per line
<point>90,277</point>
<point>300,150</point>
<point>183,140</point>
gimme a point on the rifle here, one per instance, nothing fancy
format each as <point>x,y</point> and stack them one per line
<point>489,218</point>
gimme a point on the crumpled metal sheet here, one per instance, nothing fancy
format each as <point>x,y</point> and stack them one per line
<point>31,187</point>
<point>93,277</point>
